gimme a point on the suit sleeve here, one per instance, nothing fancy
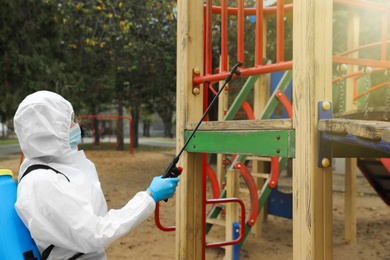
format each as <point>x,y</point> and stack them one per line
<point>56,213</point>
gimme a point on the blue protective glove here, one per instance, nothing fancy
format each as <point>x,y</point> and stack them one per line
<point>163,188</point>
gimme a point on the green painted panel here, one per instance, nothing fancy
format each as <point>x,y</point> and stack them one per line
<point>254,142</point>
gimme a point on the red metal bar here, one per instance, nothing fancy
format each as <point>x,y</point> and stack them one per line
<point>252,11</point>
<point>362,47</point>
<point>208,29</point>
<point>240,238</point>
<point>372,89</point>
<point>273,179</point>
<point>131,146</point>
<point>158,222</point>
<point>287,65</point>
<point>259,33</point>
<point>240,31</point>
<point>248,110</point>
<point>285,102</point>
<point>214,182</point>
<point>224,36</point>
<point>362,62</point>
<point>356,74</point>
<point>280,31</point>
<point>250,182</point>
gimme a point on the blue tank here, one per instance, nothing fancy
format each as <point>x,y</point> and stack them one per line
<point>15,239</point>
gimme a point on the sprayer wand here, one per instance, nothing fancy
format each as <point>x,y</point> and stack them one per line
<point>172,170</point>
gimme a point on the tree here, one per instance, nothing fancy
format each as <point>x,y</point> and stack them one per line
<point>29,46</point>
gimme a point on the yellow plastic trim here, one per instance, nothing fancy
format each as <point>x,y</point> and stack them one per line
<point>4,172</point>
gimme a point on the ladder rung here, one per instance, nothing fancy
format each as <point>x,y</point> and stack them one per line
<point>258,158</point>
<point>260,175</point>
<point>216,221</point>
<point>245,190</point>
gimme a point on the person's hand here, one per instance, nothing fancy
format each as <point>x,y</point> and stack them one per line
<point>162,188</point>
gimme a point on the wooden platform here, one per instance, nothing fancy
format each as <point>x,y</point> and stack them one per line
<point>372,130</point>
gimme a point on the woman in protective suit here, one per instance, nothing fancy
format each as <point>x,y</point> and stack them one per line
<point>63,205</point>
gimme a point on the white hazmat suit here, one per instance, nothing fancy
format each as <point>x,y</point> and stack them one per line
<point>72,215</point>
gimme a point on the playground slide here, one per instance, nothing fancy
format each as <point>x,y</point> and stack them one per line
<point>378,175</point>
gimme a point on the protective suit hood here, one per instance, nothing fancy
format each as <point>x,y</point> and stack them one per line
<point>42,123</point>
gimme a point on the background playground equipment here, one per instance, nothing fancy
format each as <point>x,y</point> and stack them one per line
<point>106,128</point>
<point>311,136</point>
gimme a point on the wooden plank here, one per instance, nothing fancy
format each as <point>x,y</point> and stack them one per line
<point>269,124</point>
<point>338,126</point>
<point>312,74</point>
<point>189,214</point>
<point>374,130</point>
<point>255,142</point>
<point>368,129</point>
<point>386,135</point>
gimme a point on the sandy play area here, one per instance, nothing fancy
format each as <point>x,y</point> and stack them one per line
<point>122,175</point>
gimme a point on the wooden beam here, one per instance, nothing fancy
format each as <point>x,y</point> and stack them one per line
<point>350,201</point>
<point>248,142</point>
<point>372,130</point>
<point>312,186</point>
<point>189,212</point>
<point>269,124</point>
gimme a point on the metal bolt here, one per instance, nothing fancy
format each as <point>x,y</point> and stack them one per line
<point>196,91</point>
<point>197,71</point>
<point>278,137</point>
<point>367,70</point>
<point>277,150</point>
<point>325,105</point>
<point>325,162</point>
<point>342,68</point>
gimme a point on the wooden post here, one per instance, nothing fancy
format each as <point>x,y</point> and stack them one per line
<point>350,201</point>
<point>262,90</point>
<point>232,191</point>
<point>312,186</point>
<point>350,163</point>
<point>189,199</point>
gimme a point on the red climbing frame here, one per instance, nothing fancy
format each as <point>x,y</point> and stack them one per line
<point>110,117</point>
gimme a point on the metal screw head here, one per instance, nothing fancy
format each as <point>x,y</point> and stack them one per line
<point>325,105</point>
<point>342,68</point>
<point>197,71</point>
<point>325,162</point>
<point>367,70</point>
<point>196,91</point>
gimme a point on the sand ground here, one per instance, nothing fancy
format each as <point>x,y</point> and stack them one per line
<point>122,175</point>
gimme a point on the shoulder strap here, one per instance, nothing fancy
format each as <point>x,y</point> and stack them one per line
<point>47,251</point>
<point>41,166</point>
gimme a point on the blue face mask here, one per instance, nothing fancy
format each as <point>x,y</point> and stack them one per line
<point>74,136</point>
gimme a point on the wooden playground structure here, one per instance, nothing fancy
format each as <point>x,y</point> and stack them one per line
<point>311,133</point>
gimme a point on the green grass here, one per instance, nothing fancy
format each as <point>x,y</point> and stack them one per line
<point>8,141</point>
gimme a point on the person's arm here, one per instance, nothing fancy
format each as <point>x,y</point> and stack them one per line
<point>56,213</point>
